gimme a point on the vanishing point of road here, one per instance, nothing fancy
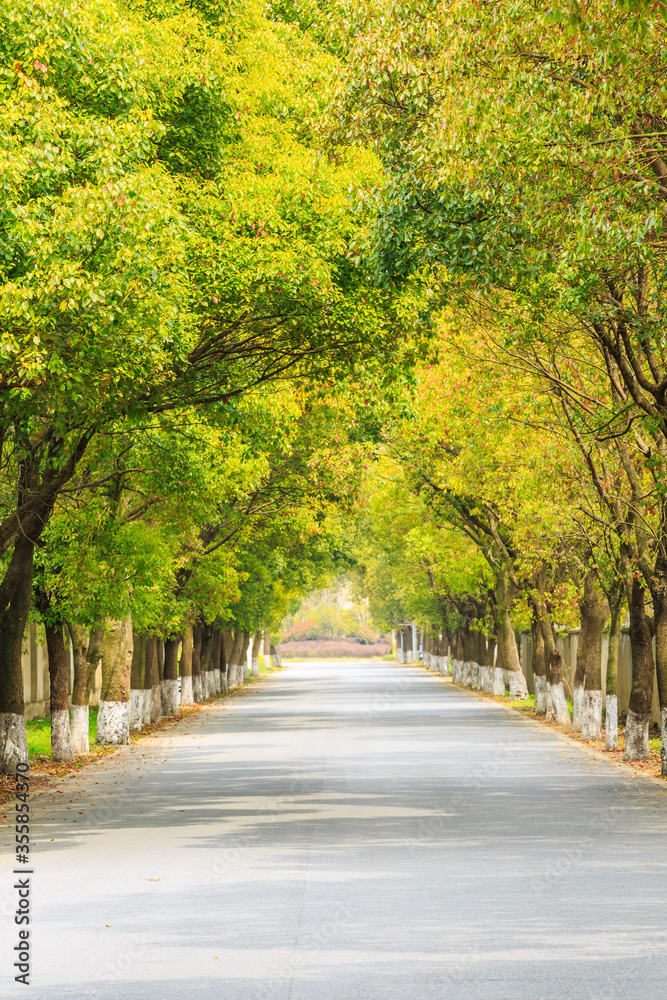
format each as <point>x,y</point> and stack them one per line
<point>348,831</point>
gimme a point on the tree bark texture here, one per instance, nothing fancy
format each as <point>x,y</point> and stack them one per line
<point>113,719</point>
<point>185,667</point>
<point>594,609</point>
<point>61,735</point>
<point>611,701</point>
<point>539,668</point>
<point>137,680</point>
<point>13,743</point>
<point>196,663</point>
<point>171,674</point>
<point>80,719</point>
<point>659,594</point>
<point>641,641</point>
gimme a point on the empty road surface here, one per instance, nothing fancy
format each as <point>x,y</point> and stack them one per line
<point>350,831</point>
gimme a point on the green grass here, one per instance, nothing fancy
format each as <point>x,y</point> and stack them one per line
<point>38,734</point>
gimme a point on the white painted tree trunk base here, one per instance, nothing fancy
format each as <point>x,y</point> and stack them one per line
<point>426,659</point>
<point>164,704</point>
<point>636,736</point>
<point>196,688</point>
<point>113,722</point>
<point>611,723</point>
<point>156,704</point>
<point>561,711</point>
<point>136,709</point>
<point>540,694</point>
<point>171,696</point>
<point>517,685</point>
<point>187,697</point>
<point>61,736</point>
<point>218,681</point>
<point>13,743</point>
<point>498,682</point>
<point>255,666</point>
<point>551,712</point>
<point>591,719</point>
<point>80,729</point>
<point>146,707</point>
<point>577,708</point>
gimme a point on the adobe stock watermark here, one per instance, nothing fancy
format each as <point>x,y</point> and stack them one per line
<point>314,940</point>
<point>433,825</point>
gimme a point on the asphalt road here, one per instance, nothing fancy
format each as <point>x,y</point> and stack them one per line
<point>357,831</point>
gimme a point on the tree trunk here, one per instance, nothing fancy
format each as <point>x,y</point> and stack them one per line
<point>164,701</point>
<point>153,703</point>
<point>518,688</point>
<point>547,631</point>
<point>639,712</point>
<point>593,617</point>
<point>408,652</point>
<point>225,653</point>
<point>13,743</point>
<point>185,666</point>
<point>468,655</point>
<point>579,677</point>
<point>486,665</point>
<point>137,680</point>
<point>196,664</point>
<point>214,664</point>
<point>499,668</point>
<point>242,663</point>
<point>206,665</point>
<point>233,668</point>
<point>611,703</point>
<point>171,675</point>
<point>560,709</point>
<point>113,719</point>
<point>539,667</point>
<point>217,654</point>
<point>61,735</point>
<point>80,689</point>
<point>659,594</point>
<point>256,646</point>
